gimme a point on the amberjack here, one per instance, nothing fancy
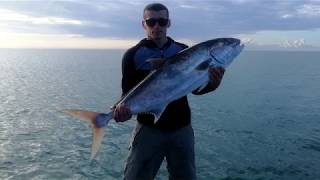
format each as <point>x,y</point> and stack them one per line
<point>170,79</point>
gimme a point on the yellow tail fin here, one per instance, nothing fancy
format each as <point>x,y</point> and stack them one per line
<point>97,120</point>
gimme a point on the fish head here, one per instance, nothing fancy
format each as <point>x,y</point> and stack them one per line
<point>223,50</point>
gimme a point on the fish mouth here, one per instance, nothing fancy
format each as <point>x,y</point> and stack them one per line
<point>238,45</point>
<point>228,47</point>
<point>235,43</point>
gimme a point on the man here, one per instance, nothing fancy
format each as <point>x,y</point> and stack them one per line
<point>172,136</point>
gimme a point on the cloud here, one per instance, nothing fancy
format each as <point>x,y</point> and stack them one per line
<point>298,43</point>
<point>188,6</point>
<point>12,16</point>
<point>35,40</point>
<point>305,11</point>
<point>309,10</point>
<point>196,19</point>
<point>192,19</point>
<point>247,41</point>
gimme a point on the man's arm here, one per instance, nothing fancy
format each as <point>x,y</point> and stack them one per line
<point>122,113</point>
<point>128,71</point>
<point>215,78</point>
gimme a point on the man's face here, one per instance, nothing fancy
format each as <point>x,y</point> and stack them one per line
<point>156,28</point>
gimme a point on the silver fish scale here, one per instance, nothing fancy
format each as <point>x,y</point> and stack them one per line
<point>179,75</point>
<point>167,84</point>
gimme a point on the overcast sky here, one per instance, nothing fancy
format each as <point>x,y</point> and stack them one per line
<point>292,24</point>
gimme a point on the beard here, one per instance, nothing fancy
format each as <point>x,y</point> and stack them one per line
<point>157,34</point>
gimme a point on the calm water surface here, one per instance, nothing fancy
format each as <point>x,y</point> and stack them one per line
<point>262,123</point>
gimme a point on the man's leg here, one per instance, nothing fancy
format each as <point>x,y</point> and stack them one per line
<point>180,156</point>
<point>145,155</point>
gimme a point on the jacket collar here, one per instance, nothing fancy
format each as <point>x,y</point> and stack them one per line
<point>150,44</point>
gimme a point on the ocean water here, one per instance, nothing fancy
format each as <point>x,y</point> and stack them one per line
<point>262,123</point>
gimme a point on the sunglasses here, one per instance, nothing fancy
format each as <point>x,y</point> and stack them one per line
<point>152,22</point>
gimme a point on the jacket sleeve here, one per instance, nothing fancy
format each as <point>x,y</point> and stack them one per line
<point>128,72</point>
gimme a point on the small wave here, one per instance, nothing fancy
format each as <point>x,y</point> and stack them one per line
<point>23,111</point>
<point>312,144</point>
<point>269,171</point>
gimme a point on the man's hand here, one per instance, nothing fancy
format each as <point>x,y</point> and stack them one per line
<point>121,113</point>
<point>215,76</point>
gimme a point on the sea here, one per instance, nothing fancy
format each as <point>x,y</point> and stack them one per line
<point>263,122</point>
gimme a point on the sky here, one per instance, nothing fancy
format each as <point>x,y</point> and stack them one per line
<point>260,24</point>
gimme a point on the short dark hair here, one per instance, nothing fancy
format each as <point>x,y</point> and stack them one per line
<point>155,7</point>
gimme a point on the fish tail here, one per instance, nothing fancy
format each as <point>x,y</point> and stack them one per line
<point>97,120</point>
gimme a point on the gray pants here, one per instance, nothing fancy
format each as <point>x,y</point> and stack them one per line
<point>150,146</point>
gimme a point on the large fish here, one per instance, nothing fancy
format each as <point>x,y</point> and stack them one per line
<point>171,79</point>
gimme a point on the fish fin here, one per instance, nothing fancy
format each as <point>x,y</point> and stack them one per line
<point>87,116</point>
<point>202,87</point>
<point>97,138</point>
<point>93,118</point>
<point>97,121</point>
<point>155,63</point>
<point>157,113</point>
<point>204,65</point>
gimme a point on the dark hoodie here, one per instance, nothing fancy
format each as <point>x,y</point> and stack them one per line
<point>135,69</point>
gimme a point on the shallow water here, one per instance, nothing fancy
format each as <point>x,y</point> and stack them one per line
<point>262,123</point>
